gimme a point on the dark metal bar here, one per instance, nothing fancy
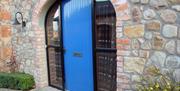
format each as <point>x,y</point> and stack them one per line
<point>94,44</point>
<point>62,46</point>
<point>106,49</point>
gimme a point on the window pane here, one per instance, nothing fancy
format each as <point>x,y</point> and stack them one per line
<point>105,25</point>
<point>53,35</point>
<point>55,67</point>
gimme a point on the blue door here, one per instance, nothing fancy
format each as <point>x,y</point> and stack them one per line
<point>77,40</point>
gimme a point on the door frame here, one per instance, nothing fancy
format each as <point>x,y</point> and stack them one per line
<point>94,45</point>
<point>61,47</point>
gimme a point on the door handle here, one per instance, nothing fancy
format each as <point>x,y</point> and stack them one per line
<point>77,54</point>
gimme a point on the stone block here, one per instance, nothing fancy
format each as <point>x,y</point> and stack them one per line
<point>5,14</point>
<point>176,7</point>
<point>119,29</point>
<point>178,47</point>
<point>136,14</point>
<point>124,41</point>
<point>173,61</point>
<point>154,25</point>
<point>146,45</point>
<point>171,47</point>
<point>158,58</point>
<point>136,78</point>
<point>134,64</point>
<point>119,35</point>
<point>6,53</point>
<point>141,40</point>
<point>5,1</point>
<point>179,33</point>
<point>122,11</point>
<point>123,53</point>
<point>144,54</point>
<point>158,42</point>
<point>176,75</point>
<point>120,64</point>
<point>168,16</point>
<point>148,35</point>
<point>123,47</point>
<point>135,44</point>
<point>175,1</point>
<point>123,86</point>
<point>144,1</point>
<point>158,3</point>
<point>170,31</point>
<point>135,1</point>
<point>5,31</point>
<point>1,43</point>
<point>123,78</point>
<point>149,14</point>
<point>134,31</point>
<point>122,6</point>
<point>135,53</point>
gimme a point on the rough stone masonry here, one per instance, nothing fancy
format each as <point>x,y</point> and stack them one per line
<point>17,48</point>
<point>148,33</point>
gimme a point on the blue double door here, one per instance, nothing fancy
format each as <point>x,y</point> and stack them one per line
<point>77,42</point>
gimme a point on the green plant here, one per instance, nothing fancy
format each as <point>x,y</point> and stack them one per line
<point>18,81</point>
<point>155,80</point>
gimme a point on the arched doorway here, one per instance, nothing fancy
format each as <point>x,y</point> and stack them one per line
<point>73,70</point>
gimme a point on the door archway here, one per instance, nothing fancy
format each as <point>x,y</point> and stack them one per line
<point>38,16</point>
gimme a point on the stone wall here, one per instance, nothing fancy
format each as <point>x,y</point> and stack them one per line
<point>21,49</point>
<point>5,37</point>
<point>148,33</point>
<point>15,44</point>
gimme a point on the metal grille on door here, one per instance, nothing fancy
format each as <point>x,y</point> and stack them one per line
<point>105,36</point>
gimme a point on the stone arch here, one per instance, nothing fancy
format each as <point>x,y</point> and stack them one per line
<point>38,19</point>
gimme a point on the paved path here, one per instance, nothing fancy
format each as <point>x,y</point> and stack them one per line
<point>41,89</point>
<point>46,89</point>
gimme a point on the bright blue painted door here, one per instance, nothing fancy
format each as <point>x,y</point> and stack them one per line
<point>77,38</point>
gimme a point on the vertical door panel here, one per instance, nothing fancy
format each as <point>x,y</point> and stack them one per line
<point>105,35</point>
<point>77,39</point>
<point>54,47</point>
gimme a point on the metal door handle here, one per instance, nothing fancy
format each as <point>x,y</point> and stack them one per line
<point>77,54</point>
